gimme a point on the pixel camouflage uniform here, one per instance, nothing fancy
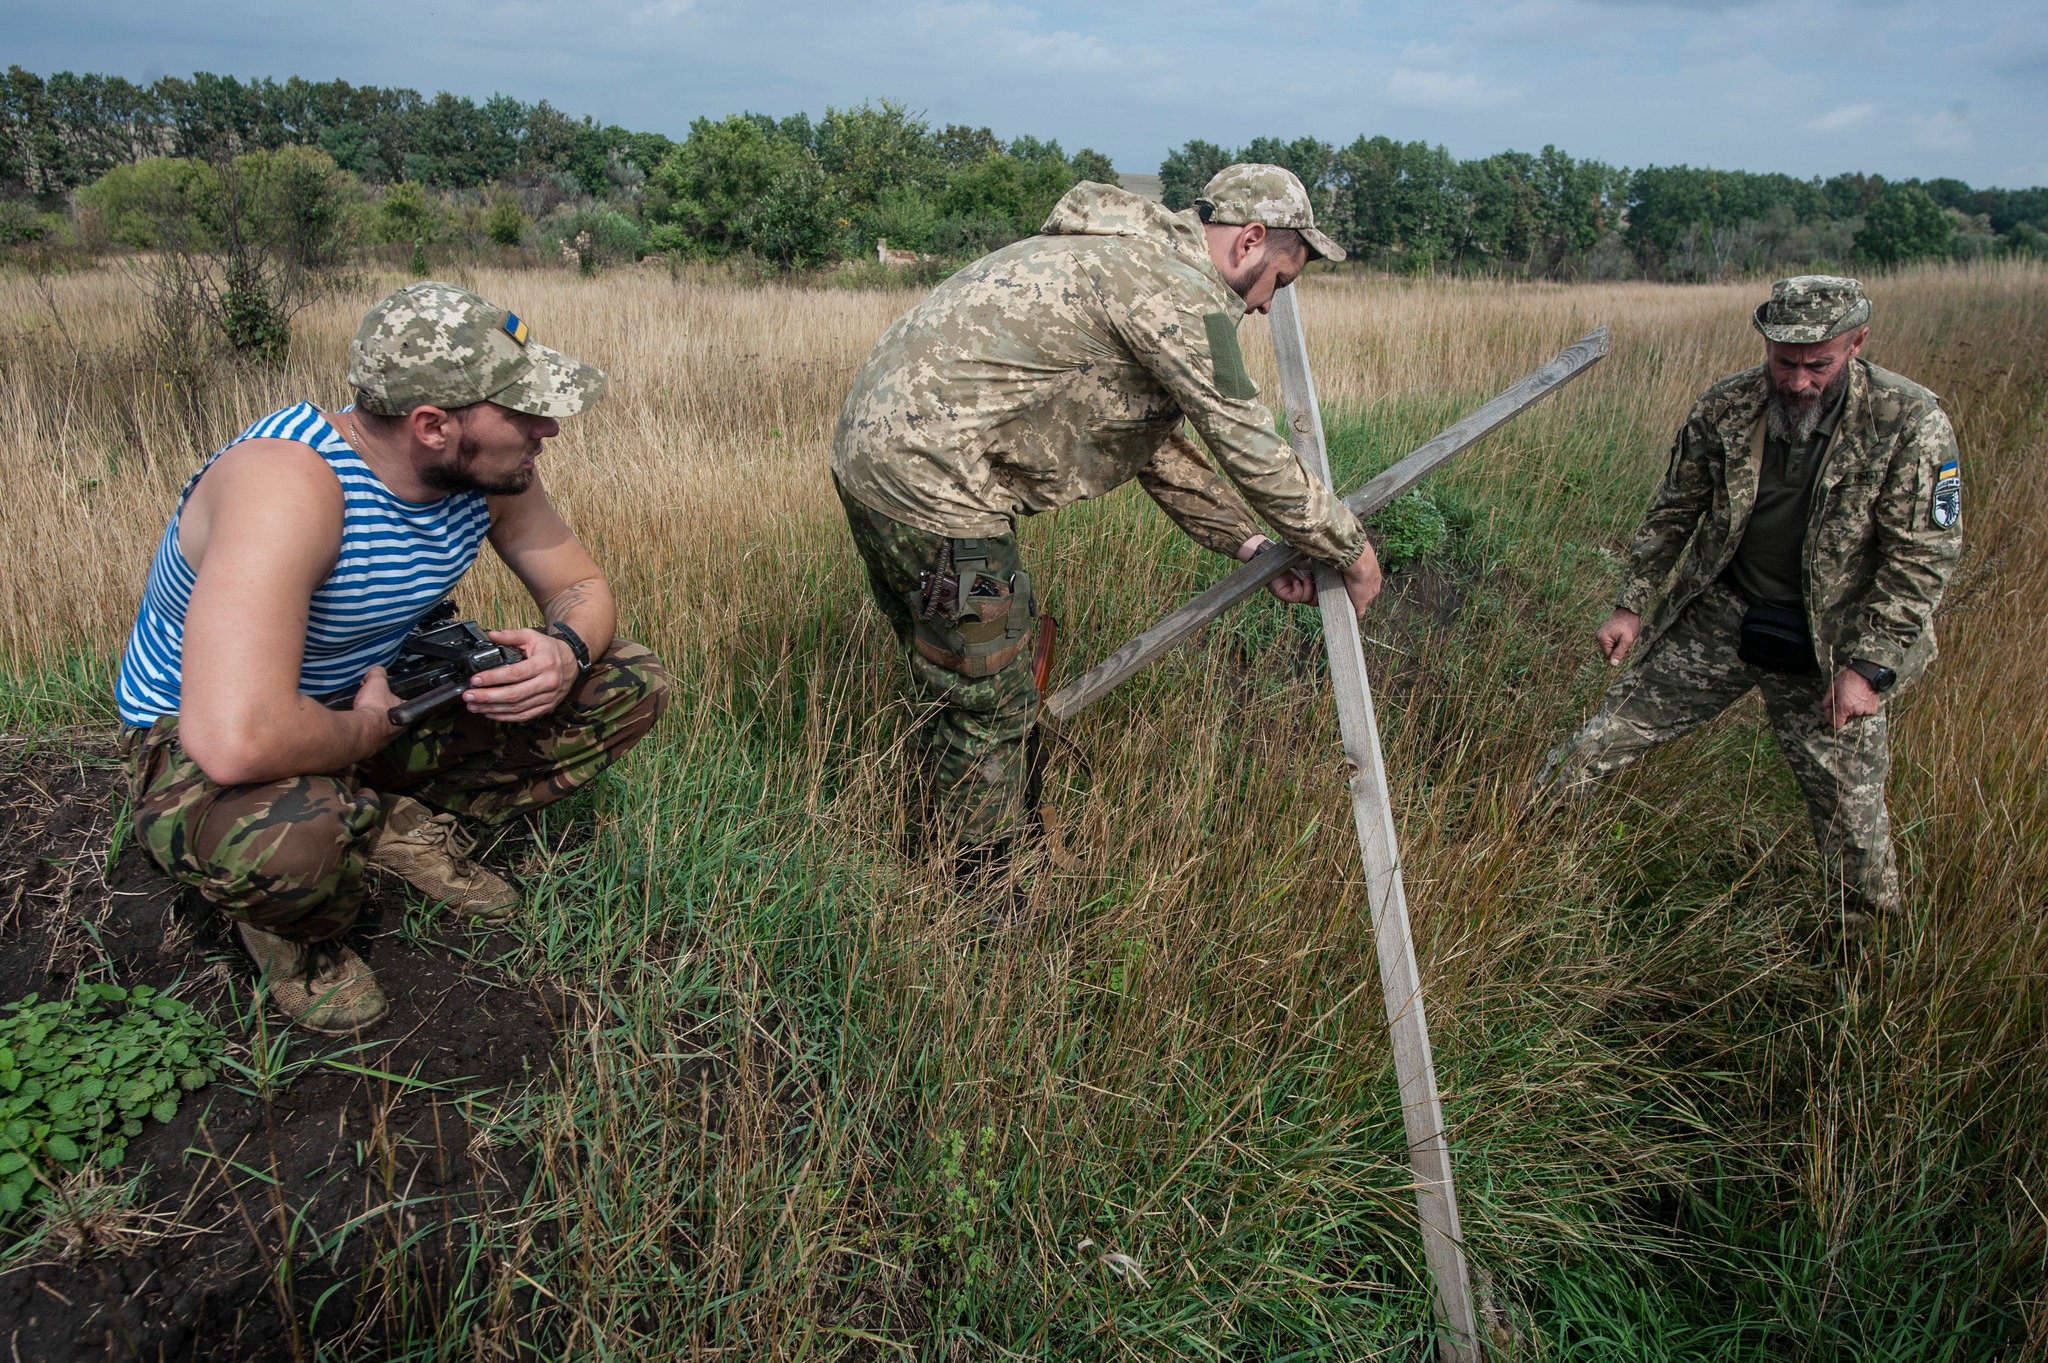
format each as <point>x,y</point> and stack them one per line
<point>1882,536</point>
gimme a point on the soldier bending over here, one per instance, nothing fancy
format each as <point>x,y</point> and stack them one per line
<point>1817,502</point>
<point>296,561</point>
<point>1053,371</point>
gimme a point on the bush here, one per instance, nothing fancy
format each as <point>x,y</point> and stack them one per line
<point>148,204</point>
<point>506,224</point>
<point>20,224</point>
<point>408,214</point>
<point>594,236</point>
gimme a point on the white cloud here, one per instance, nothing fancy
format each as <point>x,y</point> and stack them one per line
<point>1442,90</point>
<point>1841,120</point>
<point>1946,129</point>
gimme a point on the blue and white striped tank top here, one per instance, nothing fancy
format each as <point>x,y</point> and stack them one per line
<point>397,559</point>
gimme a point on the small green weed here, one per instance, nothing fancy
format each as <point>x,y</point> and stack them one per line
<point>79,1075</point>
<point>1408,530</point>
<point>967,1193</point>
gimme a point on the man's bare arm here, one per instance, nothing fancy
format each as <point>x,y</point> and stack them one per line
<point>567,585</point>
<point>263,529</point>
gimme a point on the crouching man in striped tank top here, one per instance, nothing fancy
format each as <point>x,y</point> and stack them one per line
<point>295,563</point>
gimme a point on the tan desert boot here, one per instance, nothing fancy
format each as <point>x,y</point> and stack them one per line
<point>322,987</point>
<point>430,853</point>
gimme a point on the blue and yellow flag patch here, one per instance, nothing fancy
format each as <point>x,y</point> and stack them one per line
<point>515,328</point>
<point>1948,495</point>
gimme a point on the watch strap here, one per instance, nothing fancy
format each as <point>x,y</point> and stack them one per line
<point>1879,676</point>
<point>561,630</point>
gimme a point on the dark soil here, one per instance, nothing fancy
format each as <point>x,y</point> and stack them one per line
<point>235,1240</point>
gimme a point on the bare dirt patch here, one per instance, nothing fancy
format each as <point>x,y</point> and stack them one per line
<point>257,1221</point>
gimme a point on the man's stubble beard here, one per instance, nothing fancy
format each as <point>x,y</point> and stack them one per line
<point>1796,422</point>
<point>455,475</point>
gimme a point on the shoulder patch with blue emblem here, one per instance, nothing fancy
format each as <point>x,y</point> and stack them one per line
<point>515,328</point>
<point>1948,495</point>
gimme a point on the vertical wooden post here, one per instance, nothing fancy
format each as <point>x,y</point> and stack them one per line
<point>1372,811</point>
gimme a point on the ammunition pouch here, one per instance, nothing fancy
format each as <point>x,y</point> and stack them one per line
<point>969,620</point>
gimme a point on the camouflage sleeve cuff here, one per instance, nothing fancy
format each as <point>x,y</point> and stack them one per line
<point>1637,596</point>
<point>1873,647</point>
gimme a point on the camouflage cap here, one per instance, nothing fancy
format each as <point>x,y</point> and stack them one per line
<point>1811,308</point>
<point>434,345</point>
<point>1254,192</point>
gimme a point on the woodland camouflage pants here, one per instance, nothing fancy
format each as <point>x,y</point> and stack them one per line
<point>1692,674</point>
<point>288,856</point>
<point>973,735</point>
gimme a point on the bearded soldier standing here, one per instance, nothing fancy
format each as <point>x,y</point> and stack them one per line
<point>1052,371</point>
<point>1813,508</point>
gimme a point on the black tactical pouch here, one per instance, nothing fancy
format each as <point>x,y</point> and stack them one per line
<point>1777,640</point>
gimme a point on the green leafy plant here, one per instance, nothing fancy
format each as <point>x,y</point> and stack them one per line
<point>968,1191</point>
<point>79,1076</point>
<point>1407,530</point>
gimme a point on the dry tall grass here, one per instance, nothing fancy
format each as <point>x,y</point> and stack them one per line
<point>911,1130</point>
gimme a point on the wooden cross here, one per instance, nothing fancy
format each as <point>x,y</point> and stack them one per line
<point>1372,811</point>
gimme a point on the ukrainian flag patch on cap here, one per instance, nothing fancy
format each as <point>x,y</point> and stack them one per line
<point>515,328</point>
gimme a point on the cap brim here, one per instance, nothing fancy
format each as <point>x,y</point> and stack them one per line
<point>1320,244</point>
<point>553,385</point>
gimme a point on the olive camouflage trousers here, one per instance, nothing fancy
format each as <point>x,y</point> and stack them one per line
<point>973,736</point>
<point>288,856</point>
<point>1690,675</point>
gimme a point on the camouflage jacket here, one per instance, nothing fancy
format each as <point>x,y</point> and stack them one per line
<point>1879,546</point>
<point>1061,367</point>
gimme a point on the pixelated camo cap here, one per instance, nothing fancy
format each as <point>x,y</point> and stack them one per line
<point>1811,308</point>
<point>434,345</point>
<point>1251,191</point>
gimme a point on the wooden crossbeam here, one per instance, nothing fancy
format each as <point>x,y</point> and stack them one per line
<point>1180,625</point>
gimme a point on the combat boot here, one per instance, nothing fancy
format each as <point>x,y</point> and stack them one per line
<point>323,987</point>
<point>430,853</point>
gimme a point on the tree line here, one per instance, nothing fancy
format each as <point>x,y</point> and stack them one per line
<point>1410,206</point>
<point>118,163</point>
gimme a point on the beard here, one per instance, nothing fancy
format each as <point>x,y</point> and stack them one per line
<point>458,474</point>
<point>1793,420</point>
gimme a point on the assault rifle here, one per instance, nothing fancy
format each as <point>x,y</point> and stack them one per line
<point>437,662</point>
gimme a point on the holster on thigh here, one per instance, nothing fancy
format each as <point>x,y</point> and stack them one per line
<point>968,619</point>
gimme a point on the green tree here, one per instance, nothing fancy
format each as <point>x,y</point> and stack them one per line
<point>1090,164</point>
<point>1184,171</point>
<point>736,185</point>
<point>1904,226</point>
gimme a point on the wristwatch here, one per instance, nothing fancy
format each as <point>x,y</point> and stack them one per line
<point>576,645</point>
<point>1880,678</point>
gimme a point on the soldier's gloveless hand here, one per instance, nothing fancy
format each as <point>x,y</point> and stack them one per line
<point>374,694</point>
<point>1618,636</point>
<point>529,688</point>
<point>1851,697</point>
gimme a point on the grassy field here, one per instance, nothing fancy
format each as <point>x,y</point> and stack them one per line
<point>816,1110</point>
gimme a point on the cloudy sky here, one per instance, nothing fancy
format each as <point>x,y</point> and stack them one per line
<point>1926,88</point>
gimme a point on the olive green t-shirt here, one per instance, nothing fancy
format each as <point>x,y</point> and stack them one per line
<point>1768,564</point>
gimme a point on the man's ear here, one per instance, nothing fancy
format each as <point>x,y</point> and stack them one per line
<point>430,427</point>
<point>1250,238</point>
<point>1856,341</point>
